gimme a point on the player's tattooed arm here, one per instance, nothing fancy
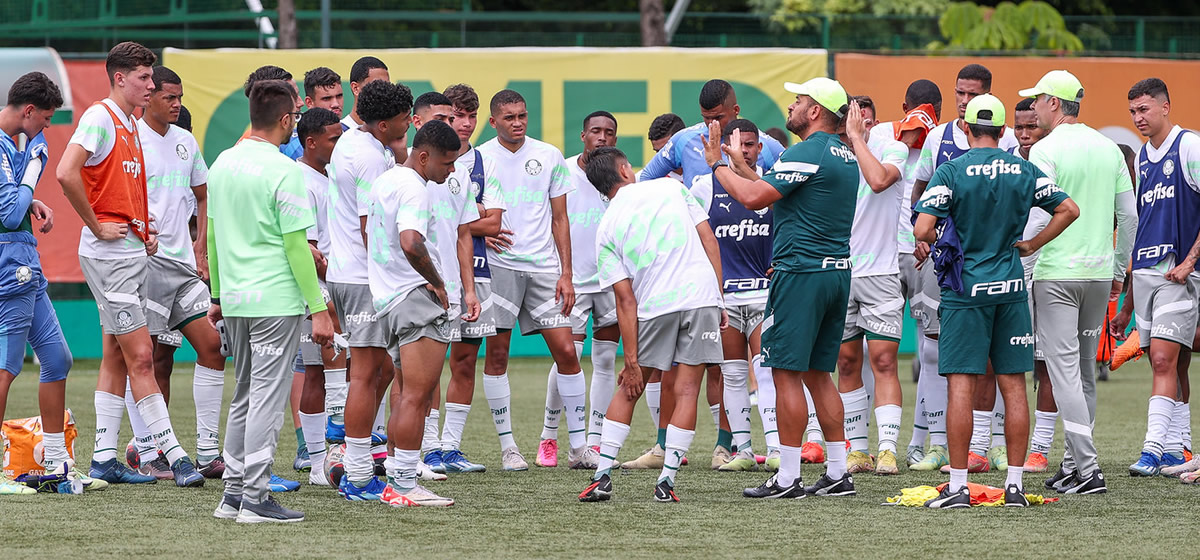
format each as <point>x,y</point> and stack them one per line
<point>417,253</point>
<point>1187,265</point>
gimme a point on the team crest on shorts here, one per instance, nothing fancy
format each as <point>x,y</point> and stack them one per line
<point>1168,168</point>
<point>454,185</point>
<point>181,151</point>
<point>533,167</point>
<point>24,274</point>
<point>124,319</point>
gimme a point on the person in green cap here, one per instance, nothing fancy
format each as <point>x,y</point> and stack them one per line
<point>813,188</point>
<point>1079,272</point>
<point>984,196</point>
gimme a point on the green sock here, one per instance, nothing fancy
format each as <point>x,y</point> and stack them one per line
<point>662,438</point>
<point>724,438</point>
<point>300,445</point>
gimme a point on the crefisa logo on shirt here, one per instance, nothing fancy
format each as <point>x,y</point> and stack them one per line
<point>454,186</point>
<point>533,167</point>
<point>181,151</point>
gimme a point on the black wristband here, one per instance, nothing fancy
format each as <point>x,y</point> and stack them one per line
<point>215,301</point>
<point>721,163</point>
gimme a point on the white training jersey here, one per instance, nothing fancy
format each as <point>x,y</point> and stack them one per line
<point>873,246</point>
<point>173,167</point>
<point>529,178</point>
<point>319,185</point>
<point>585,207</point>
<point>648,235</point>
<point>908,175</point>
<point>398,201</point>
<point>702,191</point>
<point>358,158</point>
<point>96,133</point>
<point>929,152</point>
<point>452,205</point>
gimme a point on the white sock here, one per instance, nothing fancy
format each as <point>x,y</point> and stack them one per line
<point>499,397</point>
<point>653,396</point>
<point>335,395</point>
<point>208,386</point>
<point>402,467</point>
<point>358,463</point>
<point>935,394</point>
<point>766,402</point>
<point>612,437</point>
<point>1174,440</point>
<point>154,412</point>
<point>789,465</point>
<point>958,479</point>
<point>380,426</point>
<point>736,375</point>
<point>835,459</point>
<point>887,422</point>
<point>998,422</point>
<point>1186,415</point>
<point>1043,432</point>
<point>981,431</point>
<point>813,431</point>
<point>313,427</point>
<point>855,405</point>
<point>678,442</point>
<point>715,410</point>
<point>1158,420</point>
<point>54,445</point>
<point>920,429</point>
<point>452,428</point>
<point>604,384</point>
<point>554,405</point>
<point>1014,477</point>
<point>429,440</point>
<point>142,440</point>
<point>573,390</point>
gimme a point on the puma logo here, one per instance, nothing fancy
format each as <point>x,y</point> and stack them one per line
<point>728,206</point>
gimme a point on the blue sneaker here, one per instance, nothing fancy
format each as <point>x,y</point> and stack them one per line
<point>456,462</point>
<point>278,484</point>
<point>434,461</point>
<point>186,475</point>
<point>378,439</point>
<point>369,493</point>
<point>1147,465</point>
<point>334,433</point>
<point>1171,460</point>
<point>113,472</point>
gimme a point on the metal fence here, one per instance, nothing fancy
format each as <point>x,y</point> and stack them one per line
<point>73,26</point>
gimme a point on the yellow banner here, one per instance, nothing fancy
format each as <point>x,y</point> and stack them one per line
<point>560,85</point>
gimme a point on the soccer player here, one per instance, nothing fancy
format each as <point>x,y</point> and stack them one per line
<point>102,175</point>
<point>359,157</point>
<point>657,252</point>
<point>1165,279</point>
<point>411,296</point>
<point>292,148</point>
<point>718,103</point>
<point>585,206</point>
<point>876,303</point>
<point>323,89</point>
<point>944,143</point>
<point>176,178</point>
<point>323,395</point>
<point>25,310</point>
<point>985,196</point>
<point>1079,271</point>
<point>364,71</point>
<point>662,128</point>
<point>808,190</point>
<point>744,237</point>
<point>262,276</point>
<point>532,275</point>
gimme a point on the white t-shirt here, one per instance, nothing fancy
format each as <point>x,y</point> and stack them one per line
<point>529,178</point>
<point>173,167</point>
<point>398,201</point>
<point>318,185</point>
<point>492,197</point>
<point>873,246</point>
<point>702,191</point>
<point>96,133</point>
<point>585,207</point>
<point>648,235</point>
<point>908,176</point>
<point>358,158</point>
<point>348,123</point>
<point>1008,142</point>
<point>452,204</point>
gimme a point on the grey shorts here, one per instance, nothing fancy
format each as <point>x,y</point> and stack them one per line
<point>356,313</point>
<point>927,299</point>
<point>1164,309</point>
<point>745,317</point>
<point>485,325</point>
<point>691,337</point>
<point>600,306</point>
<point>171,338</point>
<point>876,308</point>
<point>526,298</point>
<point>416,316</point>
<point>176,295</point>
<point>119,287</point>
<point>311,351</point>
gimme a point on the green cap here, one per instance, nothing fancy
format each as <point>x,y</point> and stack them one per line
<point>1056,83</point>
<point>986,110</point>
<point>828,93</point>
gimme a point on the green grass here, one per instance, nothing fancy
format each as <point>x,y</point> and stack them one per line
<point>535,514</point>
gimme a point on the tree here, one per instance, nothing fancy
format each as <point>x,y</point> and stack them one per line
<point>1033,24</point>
<point>797,15</point>
<point>287,24</point>
<point>654,23</point>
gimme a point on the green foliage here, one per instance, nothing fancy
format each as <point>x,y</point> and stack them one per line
<point>1032,24</point>
<point>799,15</point>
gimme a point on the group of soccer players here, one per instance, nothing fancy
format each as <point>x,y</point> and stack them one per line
<point>339,268</point>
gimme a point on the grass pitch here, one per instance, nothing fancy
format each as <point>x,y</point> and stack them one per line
<point>535,513</point>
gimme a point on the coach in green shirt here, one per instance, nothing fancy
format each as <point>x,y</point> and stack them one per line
<point>985,197</point>
<point>262,274</point>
